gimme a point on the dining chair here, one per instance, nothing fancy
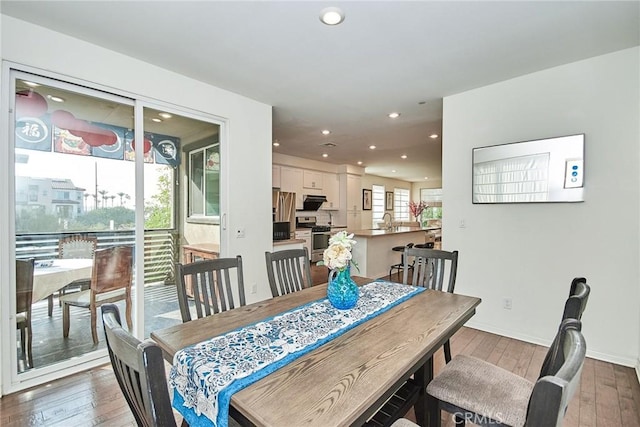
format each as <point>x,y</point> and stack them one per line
<point>24,291</point>
<point>432,269</point>
<point>288,271</point>
<point>139,369</point>
<point>485,394</point>
<point>210,285</point>
<point>110,282</point>
<point>73,247</point>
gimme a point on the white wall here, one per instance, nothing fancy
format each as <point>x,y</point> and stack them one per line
<point>249,128</point>
<point>530,252</point>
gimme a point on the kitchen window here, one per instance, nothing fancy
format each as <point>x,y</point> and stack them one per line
<point>377,205</point>
<point>401,204</point>
<point>204,182</point>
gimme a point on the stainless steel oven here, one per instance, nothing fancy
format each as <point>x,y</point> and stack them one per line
<point>319,242</point>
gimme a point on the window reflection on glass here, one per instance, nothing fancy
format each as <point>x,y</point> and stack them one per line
<point>204,182</point>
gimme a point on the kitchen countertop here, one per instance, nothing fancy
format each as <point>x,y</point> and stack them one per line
<point>396,230</point>
<point>287,242</point>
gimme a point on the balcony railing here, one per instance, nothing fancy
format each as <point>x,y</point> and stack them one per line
<point>160,249</point>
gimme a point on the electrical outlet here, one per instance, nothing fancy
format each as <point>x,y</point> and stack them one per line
<point>239,233</point>
<point>462,224</point>
<point>507,303</point>
<point>254,288</point>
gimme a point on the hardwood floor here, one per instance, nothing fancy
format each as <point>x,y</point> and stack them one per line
<point>609,394</point>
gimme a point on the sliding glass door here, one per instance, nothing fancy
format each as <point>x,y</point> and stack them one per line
<point>84,174</point>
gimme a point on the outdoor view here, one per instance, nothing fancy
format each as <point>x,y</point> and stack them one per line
<point>75,198</point>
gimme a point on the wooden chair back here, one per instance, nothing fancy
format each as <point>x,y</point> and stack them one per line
<point>555,388</point>
<point>288,271</point>
<point>211,285</point>
<point>112,270</point>
<point>24,285</point>
<point>77,247</point>
<point>139,369</point>
<point>430,267</point>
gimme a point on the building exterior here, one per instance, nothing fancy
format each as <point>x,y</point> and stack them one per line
<point>58,197</point>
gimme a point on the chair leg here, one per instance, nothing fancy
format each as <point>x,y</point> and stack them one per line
<point>50,304</point>
<point>447,351</point>
<point>65,320</point>
<point>29,340</point>
<point>94,329</point>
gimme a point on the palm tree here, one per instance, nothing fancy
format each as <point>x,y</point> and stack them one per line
<point>121,195</point>
<point>112,197</point>
<point>103,193</point>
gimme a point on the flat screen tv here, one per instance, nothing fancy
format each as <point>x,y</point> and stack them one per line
<point>542,170</point>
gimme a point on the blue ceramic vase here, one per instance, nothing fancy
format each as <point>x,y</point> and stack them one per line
<point>342,291</point>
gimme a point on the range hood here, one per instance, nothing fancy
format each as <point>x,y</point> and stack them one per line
<point>313,203</point>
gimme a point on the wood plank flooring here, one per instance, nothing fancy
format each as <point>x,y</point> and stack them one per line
<point>609,394</point>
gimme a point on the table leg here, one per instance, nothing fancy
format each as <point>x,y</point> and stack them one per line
<point>423,376</point>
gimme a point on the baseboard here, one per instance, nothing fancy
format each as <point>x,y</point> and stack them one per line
<point>605,357</point>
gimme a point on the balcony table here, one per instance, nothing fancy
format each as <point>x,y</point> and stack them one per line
<point>346,380</point>
<point>47,280</point>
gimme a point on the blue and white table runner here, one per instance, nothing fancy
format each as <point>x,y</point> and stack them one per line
<point>205,375</point>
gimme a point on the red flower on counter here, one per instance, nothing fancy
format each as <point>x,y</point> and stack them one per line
<point>417,208</point>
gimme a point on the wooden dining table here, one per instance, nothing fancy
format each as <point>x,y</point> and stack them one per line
<point>345,381</point>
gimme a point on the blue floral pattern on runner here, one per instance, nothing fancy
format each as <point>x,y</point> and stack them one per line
<point>205,375</point>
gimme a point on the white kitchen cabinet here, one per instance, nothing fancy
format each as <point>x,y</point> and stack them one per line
<point>275,176</point>
<point>291,181</point>
<point>306,236</point>
<point>312,179</point>
<point>354,193</point>
<point>354,220</point>
<point>331,189</point>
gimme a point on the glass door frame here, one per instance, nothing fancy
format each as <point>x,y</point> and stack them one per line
<point>10,379</point>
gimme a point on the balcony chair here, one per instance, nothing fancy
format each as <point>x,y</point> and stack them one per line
<point>485,394</point>
<point>288,271</point>
<point>24,291</point>
<point>110,282</point>
<point>73,247</point>
<point>139,369</point>
<point>209,283</point>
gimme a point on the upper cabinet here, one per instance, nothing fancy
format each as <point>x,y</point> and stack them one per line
<point>354,193</point>
<point>331,189</point>
<point>312,179</point>
<point>275,176</point>
<point>291,180</point>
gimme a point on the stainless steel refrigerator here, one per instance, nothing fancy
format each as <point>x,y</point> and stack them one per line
<point>284,207</point>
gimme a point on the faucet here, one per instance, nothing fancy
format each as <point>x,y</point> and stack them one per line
<point>390,225</point>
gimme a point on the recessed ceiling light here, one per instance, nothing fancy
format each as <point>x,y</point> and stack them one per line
<point>55,98</point>
<point>393,170</point>
<point>433,136</point>
<point>331,16</point>
<point>157,120</point>
<point>30,84</point>
<point>404,156</point>
<point>326,132</point>
<point>276,143</point>
<point>372,147</point>
<point>165,115</point>
<point>426,177</point>
<point>359,162</point>
<point>325,155</point>
<point>394,115</point>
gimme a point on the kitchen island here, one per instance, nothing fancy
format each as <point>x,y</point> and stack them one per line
<point>373,251</point>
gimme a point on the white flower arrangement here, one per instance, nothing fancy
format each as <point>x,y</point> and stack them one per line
<point>338,254</point>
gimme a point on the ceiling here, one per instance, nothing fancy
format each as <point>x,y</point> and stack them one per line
<point>386,56</point>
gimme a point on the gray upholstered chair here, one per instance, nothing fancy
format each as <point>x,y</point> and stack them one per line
<point>432,269</point>
<point>209,283</point>
<point>288,271</point>
<point>403,422</point>
<point>485,394</point>
<point>24,292</point>
<point>139,369</point>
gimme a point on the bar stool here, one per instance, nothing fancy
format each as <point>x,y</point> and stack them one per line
<point>400,266</point>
